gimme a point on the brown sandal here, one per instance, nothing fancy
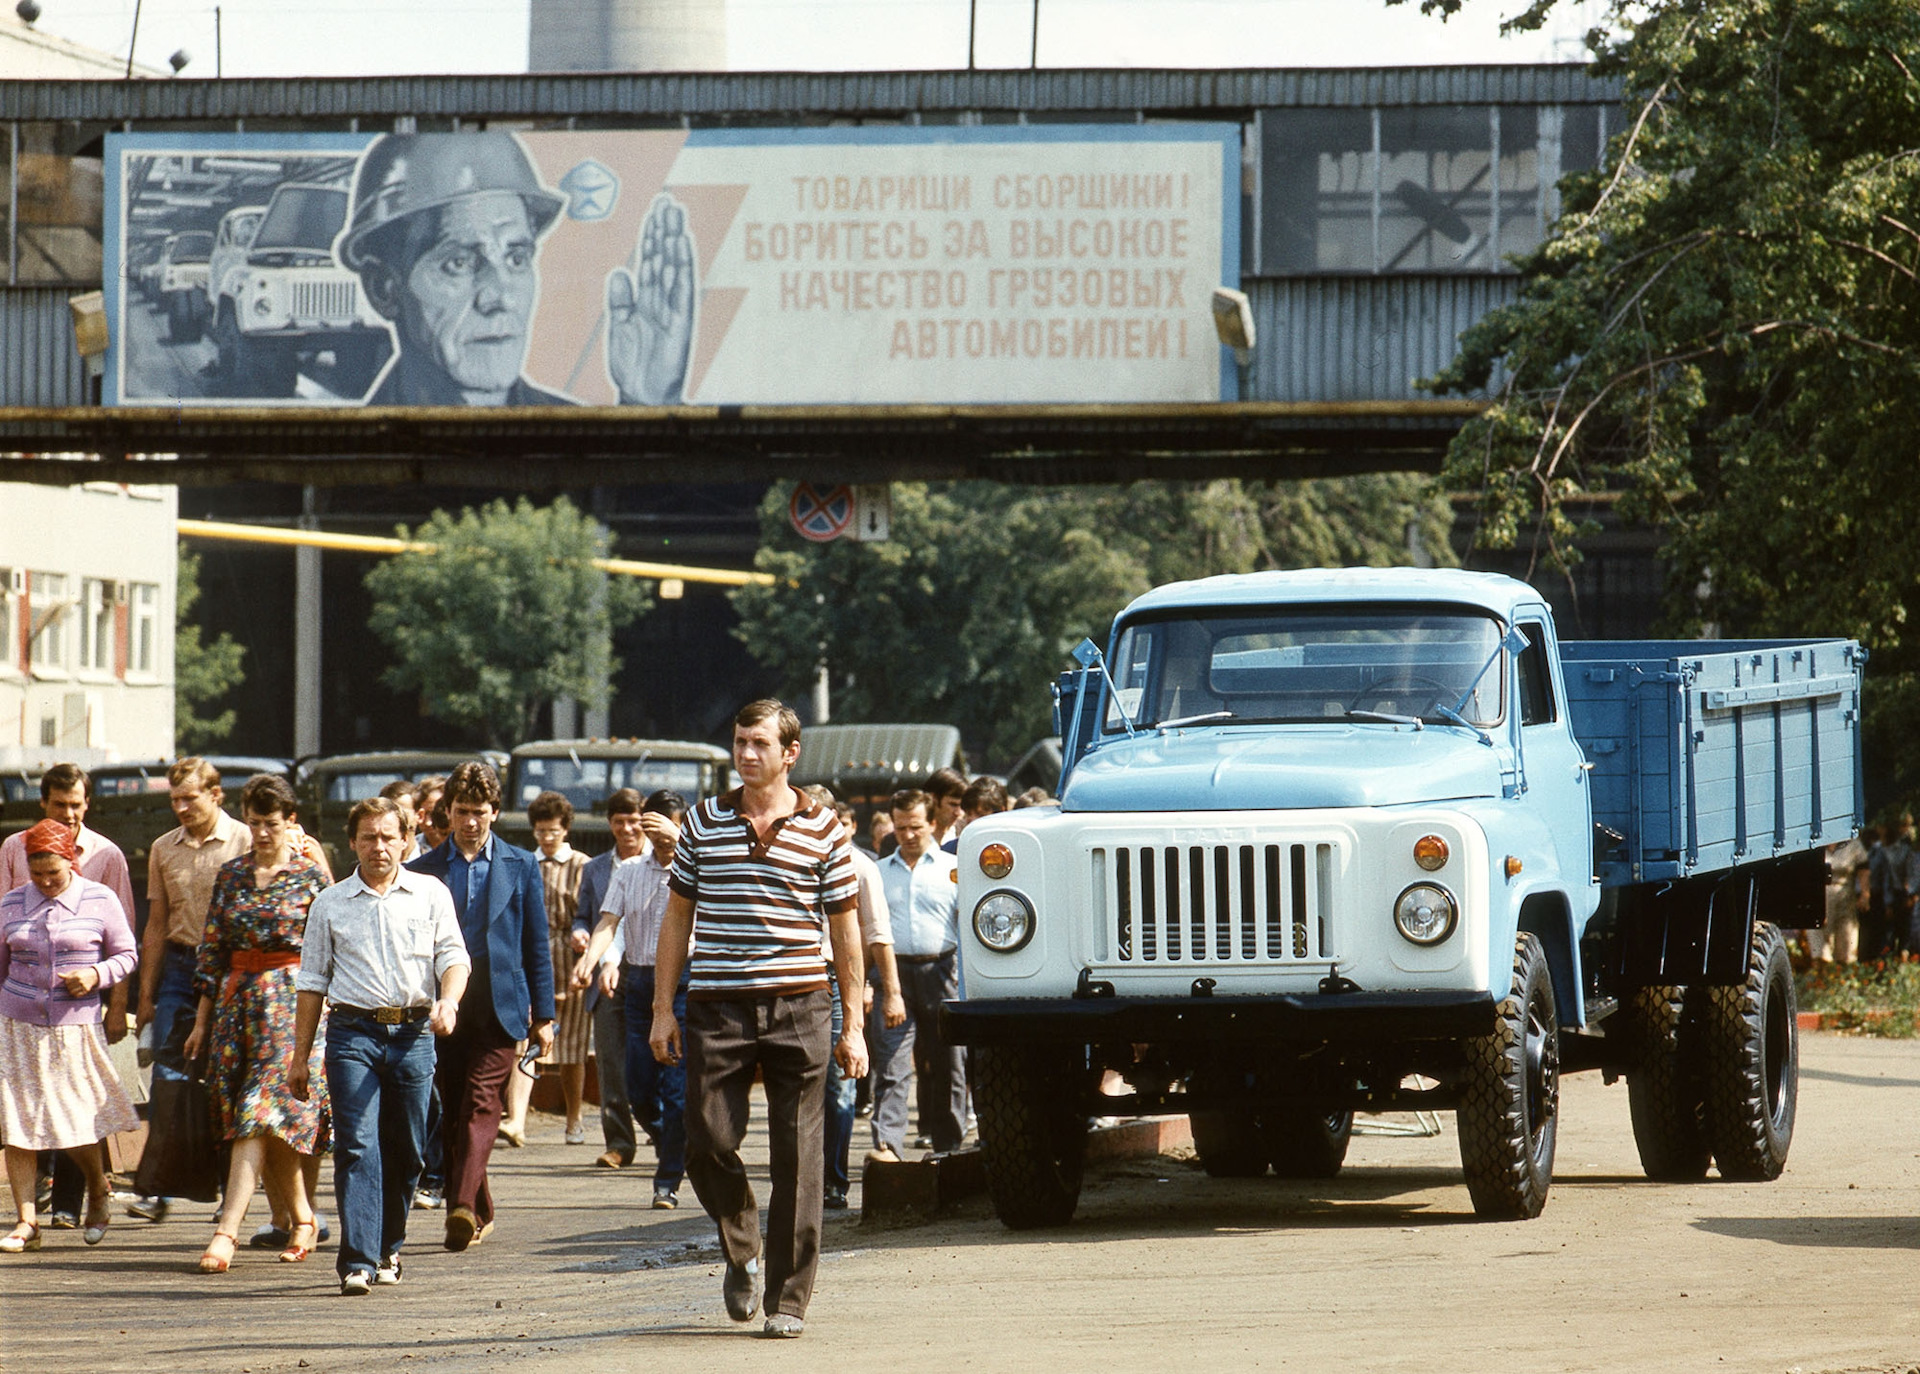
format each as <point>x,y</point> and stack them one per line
<point>297,1250</point>
<point>213,1262</point>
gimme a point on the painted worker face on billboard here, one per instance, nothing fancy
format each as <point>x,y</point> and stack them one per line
<point>658,267</point>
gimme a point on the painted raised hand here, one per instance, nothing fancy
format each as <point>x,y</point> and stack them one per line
<point>650,311</point>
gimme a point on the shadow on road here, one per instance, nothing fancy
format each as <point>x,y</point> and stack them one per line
<point>1858,1080</point>
<point>1855,1233</point>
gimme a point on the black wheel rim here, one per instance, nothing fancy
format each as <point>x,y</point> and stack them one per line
<point>1540,1064</point>
<point>1776,1043</point>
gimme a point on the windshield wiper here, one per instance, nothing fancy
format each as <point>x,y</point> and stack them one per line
<point>1179,721</point>
<point>1387,717</point>
<point>1453,717</point>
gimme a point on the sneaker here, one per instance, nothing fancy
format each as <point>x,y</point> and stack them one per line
<point>389,1271</point>
<point>665,1199</point>
<point>576,1135</point>
<point>782,1326</point>
<point>356,1282</point>
<point>835,1200</point>
<point>428,1200</point>
<point>741,1289</point>
<point>148,1208</point>
<point>63,1221</point>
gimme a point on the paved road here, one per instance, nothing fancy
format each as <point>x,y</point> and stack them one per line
<point>1164,1269</point>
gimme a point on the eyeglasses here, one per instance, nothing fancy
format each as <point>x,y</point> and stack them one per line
<point>530,1061</point>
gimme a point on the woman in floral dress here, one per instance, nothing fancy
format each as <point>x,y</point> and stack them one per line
<point>561,868</point>
<point>245,976</point>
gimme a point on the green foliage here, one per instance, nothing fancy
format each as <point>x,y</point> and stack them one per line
<point>968,613</point>
<point>505,614</point>
<point>1721,327</point>
<point>202,673</point>
<point>1881,997</point>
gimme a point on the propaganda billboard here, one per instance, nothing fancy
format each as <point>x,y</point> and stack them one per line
<point>1061,263</point>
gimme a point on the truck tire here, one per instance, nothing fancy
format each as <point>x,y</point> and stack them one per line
<point>1510,1095</point>
<point>1750,1048</point>
<point>1663,1086</point>
<point>1230,1144</point>
<point>1308,1144</point>
<point>1033,1134</point>
<point>183,319</point>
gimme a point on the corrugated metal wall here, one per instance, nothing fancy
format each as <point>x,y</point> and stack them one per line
<point>38,363</point>
<point>810,96</point>
<point>1361,338</point>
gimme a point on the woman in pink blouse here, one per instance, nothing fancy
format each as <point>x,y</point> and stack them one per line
<point>62,938</point>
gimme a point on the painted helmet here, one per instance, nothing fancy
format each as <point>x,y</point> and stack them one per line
<point>403,174</point>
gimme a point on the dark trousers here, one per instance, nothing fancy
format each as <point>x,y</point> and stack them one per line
<point>841,1097</point>
<point>656,1092</point>
<point>471,1074</point>
<point>787,1039</point>
<point>915,1050</point>
<point>610,1053</point>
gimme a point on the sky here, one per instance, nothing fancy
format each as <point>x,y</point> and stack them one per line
<point>400,37</point>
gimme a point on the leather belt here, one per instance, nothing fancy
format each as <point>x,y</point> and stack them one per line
<point>899,958</point>
<point>386,1016</point>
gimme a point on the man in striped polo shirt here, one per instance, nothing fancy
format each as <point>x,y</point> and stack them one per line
<point>756,874</point>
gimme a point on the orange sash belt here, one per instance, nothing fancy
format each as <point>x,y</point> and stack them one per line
<point>260,960</point>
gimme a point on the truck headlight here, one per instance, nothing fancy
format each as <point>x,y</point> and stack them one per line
<point>1426,913</point>
<point>1004,921</point>
<point>996,861</point>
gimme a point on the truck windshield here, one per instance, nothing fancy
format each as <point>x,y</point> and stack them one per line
<point>302,217</point>
<point>1296,664</point>
<point>194,247</point>
<point>587,781</point>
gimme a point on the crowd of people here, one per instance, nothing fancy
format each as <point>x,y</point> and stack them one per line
<point>397,1017</point>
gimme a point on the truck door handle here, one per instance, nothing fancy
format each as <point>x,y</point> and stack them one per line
<point>1585,767</point>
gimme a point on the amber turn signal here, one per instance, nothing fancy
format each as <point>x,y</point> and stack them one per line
<point>996,861</point>
<point>1513,867</point>
<point>1430,852</point>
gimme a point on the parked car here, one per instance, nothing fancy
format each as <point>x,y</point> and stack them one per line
<point>294,302</point>
<point>183,284</point>
<point>328,786</point>
<point>587,771</point>
<point>866,764</point>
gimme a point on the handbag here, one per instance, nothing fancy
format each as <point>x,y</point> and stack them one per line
<point>183,1158</point>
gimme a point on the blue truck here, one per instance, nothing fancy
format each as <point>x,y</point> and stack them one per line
<point>1376,839</point>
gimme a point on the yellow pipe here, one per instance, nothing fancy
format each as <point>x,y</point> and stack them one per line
<point>369,543</point>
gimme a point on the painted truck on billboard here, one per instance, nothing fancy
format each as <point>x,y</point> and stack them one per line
<point>1379,840</point>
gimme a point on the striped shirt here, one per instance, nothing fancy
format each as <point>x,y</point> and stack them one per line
<point>759,906</point>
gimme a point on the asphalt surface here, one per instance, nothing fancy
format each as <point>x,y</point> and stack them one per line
<point>1382,1269</point>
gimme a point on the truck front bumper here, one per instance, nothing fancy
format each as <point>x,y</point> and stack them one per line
<point>1332,1018</point>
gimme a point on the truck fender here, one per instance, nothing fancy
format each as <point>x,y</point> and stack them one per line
<point>1548,914</point>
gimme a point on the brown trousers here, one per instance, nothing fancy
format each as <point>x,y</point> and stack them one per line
<point>471,1068</point>
<point>788,1039</point>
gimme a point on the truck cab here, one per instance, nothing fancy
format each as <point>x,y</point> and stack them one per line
<point>1328,840</point>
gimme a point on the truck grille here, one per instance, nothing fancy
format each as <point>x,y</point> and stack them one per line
<point>1193,905</point>
<point>325,300</point>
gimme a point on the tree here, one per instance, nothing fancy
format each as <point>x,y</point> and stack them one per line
<point>506,613</point>
<point>202,673</point>
<point>967,613</point>
<point>1721,328</point>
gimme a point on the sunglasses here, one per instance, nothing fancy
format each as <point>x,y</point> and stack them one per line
<point>530,1061</point>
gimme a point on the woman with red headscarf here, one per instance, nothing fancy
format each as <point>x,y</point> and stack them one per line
<point>62,938</point>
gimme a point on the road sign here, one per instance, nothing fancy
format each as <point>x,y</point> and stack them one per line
<point>821,516</point>
<point>873,513</point>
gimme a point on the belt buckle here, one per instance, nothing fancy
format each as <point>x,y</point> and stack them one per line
<point>389,1016</point>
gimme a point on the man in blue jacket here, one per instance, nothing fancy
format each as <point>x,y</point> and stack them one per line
<point>503,918</point>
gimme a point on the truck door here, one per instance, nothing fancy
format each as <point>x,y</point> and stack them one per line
<point>1557,781</point>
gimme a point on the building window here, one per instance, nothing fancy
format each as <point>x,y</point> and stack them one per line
<point>9,620</point>
<point>95,630</point>
<point>47,645</point>
<point>143,642</point>
<point>1446,188</point>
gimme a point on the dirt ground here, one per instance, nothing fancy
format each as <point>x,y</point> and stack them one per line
<point>1382,1269</point>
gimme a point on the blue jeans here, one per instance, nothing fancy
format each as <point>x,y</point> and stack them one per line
<point>173,1000</point>
<point>841,1095</point>
<point>656,1092</point>
<point>379,1078</point>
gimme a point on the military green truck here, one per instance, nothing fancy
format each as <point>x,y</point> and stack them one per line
<point>329,785</point>
<point>588,771</point>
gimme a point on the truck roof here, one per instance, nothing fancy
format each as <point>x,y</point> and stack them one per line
<point>1491,591</point>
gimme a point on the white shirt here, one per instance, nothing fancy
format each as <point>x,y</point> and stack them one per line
<point>638,896</point>
<point>365,950</point>
<point>923,901</point>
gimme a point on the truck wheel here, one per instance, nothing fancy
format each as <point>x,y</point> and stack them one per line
<point>183,321</point>
<point>1510,1095</point>
<point>226,341</point>
<point>1308,1144</point>
<point>1663,1086</point>
<point>1750,1044</point>
<point>1230,1144</point>
<point>1033,1134</point>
